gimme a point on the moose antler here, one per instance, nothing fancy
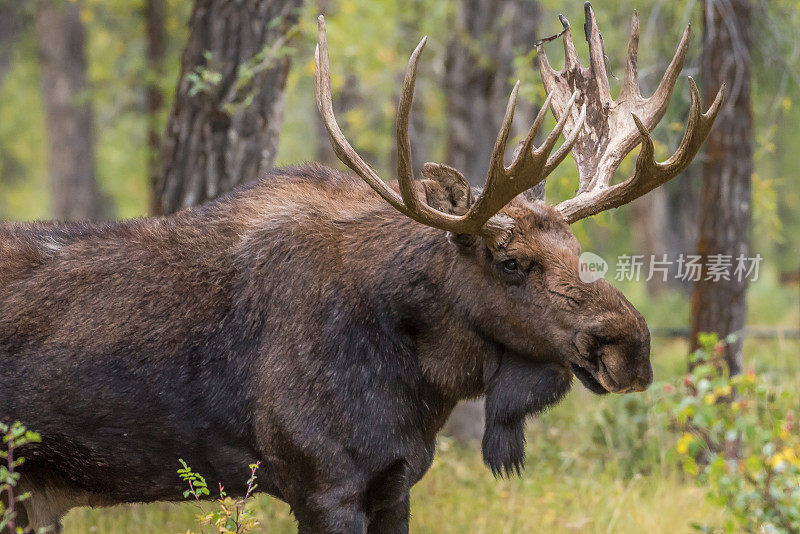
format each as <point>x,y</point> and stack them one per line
<point>531,165</point>
<point>614,128</point>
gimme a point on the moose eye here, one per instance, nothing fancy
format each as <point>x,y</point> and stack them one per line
<point>510,266</point>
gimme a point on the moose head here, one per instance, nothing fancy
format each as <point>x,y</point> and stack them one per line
<point>517,255</point>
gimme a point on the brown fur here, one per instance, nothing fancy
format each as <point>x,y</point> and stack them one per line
<point>299,321</point>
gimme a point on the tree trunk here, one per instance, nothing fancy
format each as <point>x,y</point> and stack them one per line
<point>228,110</point>
<point>683,206</point>
<point>154,13</point>
<point>725,211</point>
<point>408,26</point>
<point>68,110</point>
<point>11,22</point>
<point>649,218</point>
<point>478,68</point>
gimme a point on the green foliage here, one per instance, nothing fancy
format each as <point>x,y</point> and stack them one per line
<point>738,439</point>
<point>231,516</point>
<point>204,79</point>
<point>247,73</point>
<point>13,437</point>
<point>197,484</point>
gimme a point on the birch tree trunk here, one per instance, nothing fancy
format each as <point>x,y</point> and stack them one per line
<point>228,110</point>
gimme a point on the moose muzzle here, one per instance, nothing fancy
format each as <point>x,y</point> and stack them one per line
<point>619,364</point>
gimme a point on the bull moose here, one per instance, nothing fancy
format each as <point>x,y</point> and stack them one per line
<point>325,323</point>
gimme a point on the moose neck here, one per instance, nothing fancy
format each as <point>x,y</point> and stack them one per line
<point>414,279</point>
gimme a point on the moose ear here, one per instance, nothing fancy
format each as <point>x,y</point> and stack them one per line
<point>447,190</point>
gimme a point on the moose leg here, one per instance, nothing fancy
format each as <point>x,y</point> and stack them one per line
<point>392,520</point>
<point>43,509</point>
<point>340,521</point>
<point>20,516</point>
<point>333,511</point>
<point>32,519</point>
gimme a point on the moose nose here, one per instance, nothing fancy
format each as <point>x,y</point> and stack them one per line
<point>643,378</point>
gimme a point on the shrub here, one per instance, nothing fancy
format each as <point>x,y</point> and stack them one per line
<point>14,436</point>
<point>737,437</point>
<point>231,515</point>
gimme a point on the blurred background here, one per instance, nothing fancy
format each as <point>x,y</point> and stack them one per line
<point>112,109</point>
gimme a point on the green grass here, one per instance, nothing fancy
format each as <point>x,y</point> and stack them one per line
<point>458,496</point>
<point>595,464</point>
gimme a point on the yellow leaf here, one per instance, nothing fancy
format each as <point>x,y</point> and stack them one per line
<point>683,443</point>
<point>787,103</point>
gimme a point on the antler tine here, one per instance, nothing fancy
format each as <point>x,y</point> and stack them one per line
<point>536,192</point>
<point>530,166</point>
<point>550,77</point>
<point>556,159</point>
<point>597,55</point>
<point>697,128</point>
<point>491,199</point>
<point>630,82</point>
<point>570,54</point>
<point>344,151</point>
<point>551,139</point>
<point>658,102</point>
<point>548,73</point>
<point>649,173</point>
<point>496,164</point>
<point>527,143</point>
<point>405,171</point>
